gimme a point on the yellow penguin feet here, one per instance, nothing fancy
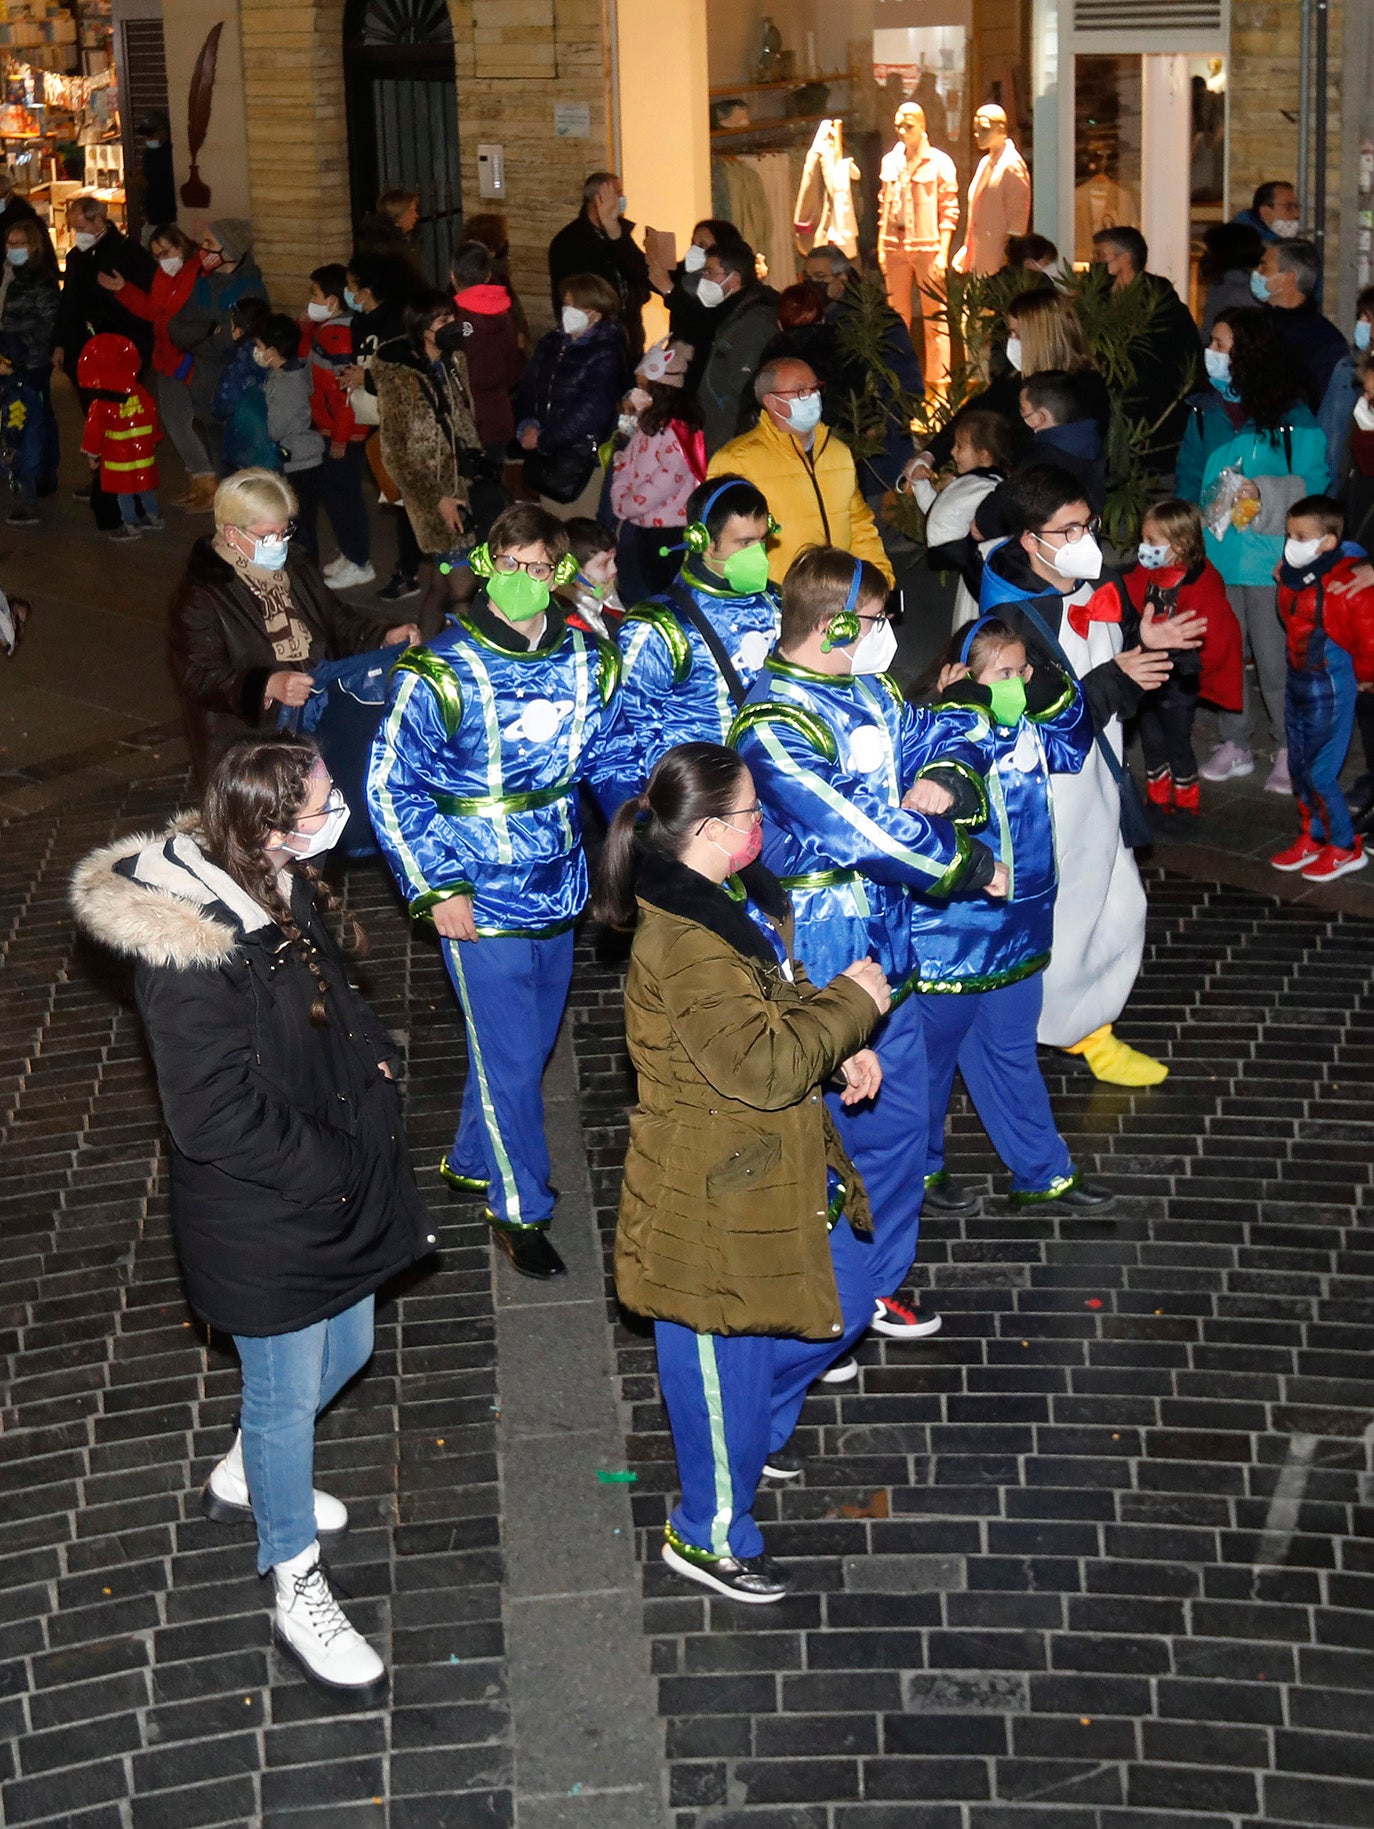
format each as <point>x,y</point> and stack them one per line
<point>1111,1060</point>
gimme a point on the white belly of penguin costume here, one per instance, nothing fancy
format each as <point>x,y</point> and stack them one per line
<point>1099,913</point>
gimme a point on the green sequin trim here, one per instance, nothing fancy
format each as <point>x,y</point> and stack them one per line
<point>687,1550</point>
<point>989,981</point>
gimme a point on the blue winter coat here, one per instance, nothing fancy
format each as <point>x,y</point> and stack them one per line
<point>973,942</point>
<point>473,779</point>
<point>831,758</point>
<point>1211,444</point>
<point>572,389</point>
<point>672,690</point>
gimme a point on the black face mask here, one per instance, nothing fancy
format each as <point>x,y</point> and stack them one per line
<point>449,337</point>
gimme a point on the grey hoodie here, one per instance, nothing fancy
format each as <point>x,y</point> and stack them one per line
<point>288,417</point>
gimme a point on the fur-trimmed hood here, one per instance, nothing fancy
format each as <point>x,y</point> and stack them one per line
<point>157,899</point>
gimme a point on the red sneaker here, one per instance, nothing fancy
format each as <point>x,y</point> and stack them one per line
<point>1159,791</point>
<point>1334,860</point>
<point>1303,851</point>
<point>1188,797</point>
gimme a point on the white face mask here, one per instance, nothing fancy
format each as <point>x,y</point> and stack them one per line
<point>694,259</point>
<point>1081,560</point>
<point>1014,353</point>
<point>1300,553</point>
<point>83,239</point>
<point>1286,228</point>
<point>575,321</point>
<point>1364,414</point>
<point>875,648</point>
<point>17,257</point>
<point>315,844</point>
<point>260,356</point>
<point>1152,557</point>
<point>710,293</point>
<point>171,264</point>
<point>318,313</point>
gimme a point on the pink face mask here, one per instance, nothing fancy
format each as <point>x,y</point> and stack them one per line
<point>753,844</point>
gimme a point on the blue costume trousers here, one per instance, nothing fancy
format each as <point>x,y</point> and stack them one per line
<point>732,1399</point>
<point>1319,718</point>
<point>513,994</point>
<point>990,1037</point>
<point>886,1141</point>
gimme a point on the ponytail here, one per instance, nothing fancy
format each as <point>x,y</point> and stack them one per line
<point>690,784</point>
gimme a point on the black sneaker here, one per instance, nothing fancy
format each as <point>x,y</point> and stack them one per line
<point>755,1579</point>
<point>784,1465</point>
<point>529,1250</point>
<point>1072,1196</point>
<point>23,517</point>
<point>398,589</point>
<point>945,1196</point>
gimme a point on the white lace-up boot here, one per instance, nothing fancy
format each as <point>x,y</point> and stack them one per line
<point>226,1499</point>
<point>311,1627</point>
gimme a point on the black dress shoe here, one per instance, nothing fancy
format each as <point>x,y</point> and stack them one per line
<point>1078,1197</point>
<point>945,1196</point>
<point>529,1251</point>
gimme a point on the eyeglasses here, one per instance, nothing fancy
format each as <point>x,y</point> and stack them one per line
<point>753,812</point>
<point>1073,532</point>
<point>286,532</point>
<point>538,569</point>
<point>335,804</point>
<point>796,393</point>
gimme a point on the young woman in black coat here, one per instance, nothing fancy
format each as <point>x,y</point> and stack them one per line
<point>292,1195</point>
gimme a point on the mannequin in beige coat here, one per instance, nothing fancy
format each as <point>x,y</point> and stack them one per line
<point>999,197</point>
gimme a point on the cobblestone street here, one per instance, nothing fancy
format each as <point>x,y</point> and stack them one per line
<point>1101,1553</point>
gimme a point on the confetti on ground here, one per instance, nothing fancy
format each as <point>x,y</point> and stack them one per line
<point>1093,1302</point>
<point>609,1477</point>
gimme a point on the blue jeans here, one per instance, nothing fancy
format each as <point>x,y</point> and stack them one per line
<point>287,1380</point>
<point>129,505</point>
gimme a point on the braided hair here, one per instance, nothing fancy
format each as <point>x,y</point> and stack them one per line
<point>257,787</point>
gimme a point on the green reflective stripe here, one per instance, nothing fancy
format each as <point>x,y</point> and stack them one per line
<point>819,879</point>
<point>894,784</point>
<point>608,671</point>
<point>454,949</point>
<point>664,624</point>
<point>440,678</point>
<point>496,780</point>
<point>808,726</point>
<point>577,730</point>
<point>862,824</point>
<point>464,806</point>
<point>381,782</point>
<point>971,775</point>
<point>422,906</point>
<point>720,1454</point>
<point>985,981</point>
<point>1006,848</point>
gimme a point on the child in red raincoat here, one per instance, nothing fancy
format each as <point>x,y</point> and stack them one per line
<point>1175,578</point>
<point>122,432</point>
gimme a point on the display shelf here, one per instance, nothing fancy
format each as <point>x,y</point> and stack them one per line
<point>773,126</point>
<point>791,82</point>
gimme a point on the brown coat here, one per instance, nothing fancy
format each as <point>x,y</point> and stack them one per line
<point>427,422</point>
<point>219,651</point>
<point>723,1214</point>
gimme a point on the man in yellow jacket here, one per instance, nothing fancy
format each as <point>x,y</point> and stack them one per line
<point>804,469</point>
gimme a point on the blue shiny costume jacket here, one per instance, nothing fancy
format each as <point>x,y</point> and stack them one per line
<point>472,783</point>
<point>973,942</point>
<point>831,758</point>
<point>672,690</point>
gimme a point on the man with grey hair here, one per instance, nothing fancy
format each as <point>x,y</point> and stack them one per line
<point>599,240</point>
<point>1286,280</point>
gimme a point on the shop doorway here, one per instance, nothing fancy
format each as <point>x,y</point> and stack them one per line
<point>402,101</point>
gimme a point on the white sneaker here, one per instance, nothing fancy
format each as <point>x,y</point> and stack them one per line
<point>350,576</point>
<point>844,1371</point>
<point>225,1497</point>
<point>1279,782</point>
<point>311,1627</point>
<point>1227,762</point>
<point>336,565</point>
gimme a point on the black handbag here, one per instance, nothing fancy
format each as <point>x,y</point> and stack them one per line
<point>561,477</point>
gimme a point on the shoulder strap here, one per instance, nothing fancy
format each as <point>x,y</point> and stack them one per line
<point>1108,754</point>
<point>691,613</point>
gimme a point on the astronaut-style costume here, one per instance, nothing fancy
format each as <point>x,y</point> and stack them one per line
<point>981,960</point>
<point>831,758</point>
<point>672,690</point>
<point>472,788</point>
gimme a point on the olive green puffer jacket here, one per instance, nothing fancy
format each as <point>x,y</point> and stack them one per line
<point>723,1214</point>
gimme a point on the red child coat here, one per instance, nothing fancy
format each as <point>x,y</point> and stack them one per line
<point>1201,593</point>
<point>1347,618</point>
<point>328,347</point>
<point>124,435</point>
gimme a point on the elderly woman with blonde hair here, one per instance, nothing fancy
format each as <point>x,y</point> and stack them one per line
<point>252,615</point>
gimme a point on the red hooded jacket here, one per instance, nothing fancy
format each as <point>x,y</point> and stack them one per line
<point>328,347</point>
<point>1199,592</point>
<point>491,344</point>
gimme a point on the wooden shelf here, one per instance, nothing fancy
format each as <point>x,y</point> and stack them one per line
<point>783,120</point>
<point>792,82</point>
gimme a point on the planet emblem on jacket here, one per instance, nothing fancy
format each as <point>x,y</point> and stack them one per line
<point>1025,758</point>
<point>539,720</point>
<point>866,749</point>
<point>753,650</point>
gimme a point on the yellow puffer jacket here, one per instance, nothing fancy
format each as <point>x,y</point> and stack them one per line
<point>813,495</point>
<point>723,1214</point>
